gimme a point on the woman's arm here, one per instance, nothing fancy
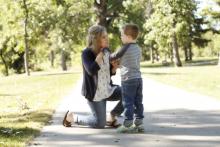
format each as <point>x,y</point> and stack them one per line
<point>90,64</point>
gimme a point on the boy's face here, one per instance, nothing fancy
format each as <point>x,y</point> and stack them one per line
<point>124,37</point>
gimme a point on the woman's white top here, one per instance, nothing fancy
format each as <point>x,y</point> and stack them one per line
<point>104,89</point>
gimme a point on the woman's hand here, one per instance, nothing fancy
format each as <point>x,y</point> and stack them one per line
<point>99,58</point>
<point>115,64</point>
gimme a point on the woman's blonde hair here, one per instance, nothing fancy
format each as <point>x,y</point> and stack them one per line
<point>94,37</point>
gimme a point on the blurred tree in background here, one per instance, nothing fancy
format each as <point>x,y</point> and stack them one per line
<point>213,17</point>
<point>56,30</point>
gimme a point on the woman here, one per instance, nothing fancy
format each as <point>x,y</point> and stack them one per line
<point>97,86</point>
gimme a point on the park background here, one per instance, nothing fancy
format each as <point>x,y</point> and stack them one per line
<point>41,44</point>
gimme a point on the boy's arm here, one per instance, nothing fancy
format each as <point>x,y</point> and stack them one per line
<point>119,53</point>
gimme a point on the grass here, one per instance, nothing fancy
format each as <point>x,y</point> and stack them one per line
<point>201,76</point>
<point>27,104</point>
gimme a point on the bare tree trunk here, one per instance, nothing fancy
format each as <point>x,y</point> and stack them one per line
<point>152,54</point>
<point>4,46</point>
<point>171,53</point>
<point>149,12</point>
<point>219,58</point>
<point>157,54</point>
<point>26,56</point>
<point>190,45</point>
<point>106,15</point>
<point>52,56</point>
<point>176,51</point>
<point>186,53</point>
<point>6,73</point>
<point>189,51</point>
<point>101,9</point>
<point>149,9</point>
<point>63,60</point>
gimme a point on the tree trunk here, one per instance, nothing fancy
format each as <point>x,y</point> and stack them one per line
<point>6,73</point>
<point>26,56</point>
<point>157,55</point>
<point>63,60</point>
<point>152,54</point>
<point>4,46</point>
<point>176,51</point>
<point>52,56</point>
<point>101,8</point>
<point>186,53</point>
<point>219,58</point>
<point>106,15</point>
<point>189,51</point>
<point>190,44</point>
<point>171,53</point>
<point>149,9</point>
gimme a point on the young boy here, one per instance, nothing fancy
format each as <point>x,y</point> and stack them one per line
<point>131,80</point>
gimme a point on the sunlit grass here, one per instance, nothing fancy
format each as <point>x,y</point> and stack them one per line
<point>201,76</point>
<point>27,104</point>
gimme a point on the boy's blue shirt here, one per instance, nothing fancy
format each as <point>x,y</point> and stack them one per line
<point>130,57</point>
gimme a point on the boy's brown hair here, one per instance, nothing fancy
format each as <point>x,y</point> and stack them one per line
<point>131,30</point>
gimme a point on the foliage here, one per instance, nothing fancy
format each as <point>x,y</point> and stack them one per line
<point>59,27</point>
<point>168,17</point>
<point>52,25</point>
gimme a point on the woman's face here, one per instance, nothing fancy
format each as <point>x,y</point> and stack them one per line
<point>104,40</point>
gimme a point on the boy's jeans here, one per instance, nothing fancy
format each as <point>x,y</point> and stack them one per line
<point>132,101</point>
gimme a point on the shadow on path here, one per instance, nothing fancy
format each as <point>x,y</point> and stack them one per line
<point>175,127</point>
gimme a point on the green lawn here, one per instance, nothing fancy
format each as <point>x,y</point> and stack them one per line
<point>27,104</point>
<point>201,76</point>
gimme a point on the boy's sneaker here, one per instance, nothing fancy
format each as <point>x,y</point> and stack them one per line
<point>139,128</point>
<point>124,129</point>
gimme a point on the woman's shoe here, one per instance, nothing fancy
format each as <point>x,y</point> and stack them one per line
<point>65,122</point>
<point>113,123</point>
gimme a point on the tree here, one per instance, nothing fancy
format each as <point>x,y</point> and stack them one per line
<point>113,14</point>
<point>3,55</point>
<point>70,27</point>
<point>196,35</point>
<point>26,55</point>
<point>49,28</point>
<point>107,11</point>
<point>215,15</point>
<point>11,32</point>
<point>169,24</point>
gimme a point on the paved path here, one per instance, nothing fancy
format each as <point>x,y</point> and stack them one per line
<point>173,118</point>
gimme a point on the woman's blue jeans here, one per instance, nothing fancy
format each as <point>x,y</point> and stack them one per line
<point>98,117</point>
